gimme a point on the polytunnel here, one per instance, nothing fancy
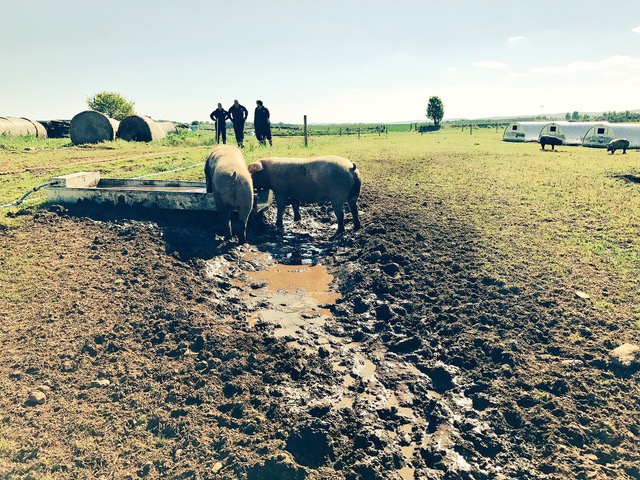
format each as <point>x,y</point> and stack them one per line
<point>601,134</point>
<point>523,131</point>
<point>571,133</point>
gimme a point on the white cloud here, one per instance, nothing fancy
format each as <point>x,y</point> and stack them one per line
<point>613,74</point>
<point>523,92</point>
<point>606,66</point>
<point>636,30</point>
<point>516,94</point>
<point>489,64</point>
<point>517,39</point>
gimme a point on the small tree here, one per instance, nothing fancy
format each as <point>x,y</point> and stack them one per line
<point>112,104</point>
<point>435,110</point>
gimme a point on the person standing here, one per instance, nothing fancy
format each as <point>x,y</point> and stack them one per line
<point>238,115</point>
<point>262,123</point>
<point>219,116</point>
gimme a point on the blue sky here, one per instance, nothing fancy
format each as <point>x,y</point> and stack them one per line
<point>334,61</point>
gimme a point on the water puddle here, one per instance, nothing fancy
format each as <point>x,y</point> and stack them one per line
<point>363,368</point>
<point>292,297</point>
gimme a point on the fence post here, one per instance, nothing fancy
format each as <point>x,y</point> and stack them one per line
<point>306,142</point>
<point>358,133</point>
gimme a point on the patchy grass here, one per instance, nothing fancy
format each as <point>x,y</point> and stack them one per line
<point>570,215</point>
<point>5,448</point>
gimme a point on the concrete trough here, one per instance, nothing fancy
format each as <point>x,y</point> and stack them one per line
<point>81,187</point>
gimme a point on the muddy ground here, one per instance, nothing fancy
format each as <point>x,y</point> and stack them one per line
<point>151,348</point>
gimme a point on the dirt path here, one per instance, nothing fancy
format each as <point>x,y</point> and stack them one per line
<point>164,352</point>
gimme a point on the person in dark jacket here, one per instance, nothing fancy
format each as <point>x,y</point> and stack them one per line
<point>262,123</point>
<point>238,115</point>
<point>219,116</point>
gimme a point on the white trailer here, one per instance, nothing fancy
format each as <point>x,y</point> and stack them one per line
<point>523,131</point>
<point>571,133</point>
<point>599,135</point>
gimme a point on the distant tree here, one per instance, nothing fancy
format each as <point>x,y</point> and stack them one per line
<point>567,117</point>
<point>112,104</point>
<point>575,116</point>
<point>435,110</point>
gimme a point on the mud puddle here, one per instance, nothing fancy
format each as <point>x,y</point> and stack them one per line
<point>286,288</point>
<point>292,297</point>
<point>296,300</point>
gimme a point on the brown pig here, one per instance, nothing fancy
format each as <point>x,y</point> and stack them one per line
<point>229,180</point>
<point>310,180</point>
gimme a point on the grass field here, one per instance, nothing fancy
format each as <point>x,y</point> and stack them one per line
<point>571,216</point>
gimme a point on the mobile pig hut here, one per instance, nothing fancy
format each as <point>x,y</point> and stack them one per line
<point>599,135</point>
<point>571,133</point>
<point>523,131</point>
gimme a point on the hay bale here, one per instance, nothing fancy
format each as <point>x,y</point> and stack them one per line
<point>35,128</point>
<point>168,128</point>
<point>15,127</point>
<point>92,127</point>
<point>136,128</point>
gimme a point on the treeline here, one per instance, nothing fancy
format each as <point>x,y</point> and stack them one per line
<point>619,117</point>
<point>612,117</point>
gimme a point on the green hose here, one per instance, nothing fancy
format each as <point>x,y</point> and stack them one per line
<point>34,189</point>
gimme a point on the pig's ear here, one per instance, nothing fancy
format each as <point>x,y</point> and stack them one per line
<point>254,167</point>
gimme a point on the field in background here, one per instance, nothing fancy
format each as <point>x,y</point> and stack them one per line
<point>571,216</point>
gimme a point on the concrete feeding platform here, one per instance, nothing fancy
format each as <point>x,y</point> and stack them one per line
<point>83,187</point>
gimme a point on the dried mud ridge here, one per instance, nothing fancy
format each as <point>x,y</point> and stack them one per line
<point>144,338</point>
